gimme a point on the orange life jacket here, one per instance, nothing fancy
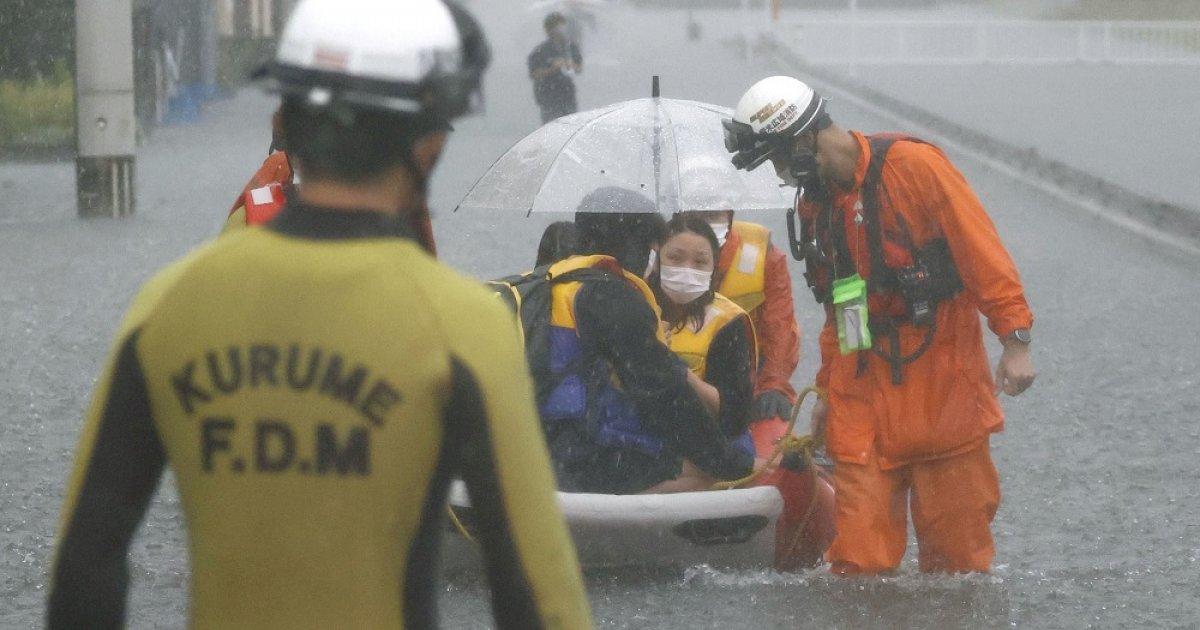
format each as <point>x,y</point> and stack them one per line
<point>262,204</point>
<point>266,194</point>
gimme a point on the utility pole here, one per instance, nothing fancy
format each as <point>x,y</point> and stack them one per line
<point>105,125</point>
<point>854,38</point>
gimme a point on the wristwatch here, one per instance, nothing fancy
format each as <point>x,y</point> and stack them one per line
<point>1020,335</point>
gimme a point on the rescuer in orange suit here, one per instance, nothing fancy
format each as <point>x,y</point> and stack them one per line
<point>904,258</point>
<point>753,273</point>
<point>265,194</point>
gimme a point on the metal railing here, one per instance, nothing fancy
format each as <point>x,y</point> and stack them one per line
<point>824,40</point>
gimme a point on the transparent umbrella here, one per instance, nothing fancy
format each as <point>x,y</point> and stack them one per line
<point>671,151</point>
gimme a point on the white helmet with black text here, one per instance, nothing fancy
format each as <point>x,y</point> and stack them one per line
<point>768,116</point>
<point>418,57</point>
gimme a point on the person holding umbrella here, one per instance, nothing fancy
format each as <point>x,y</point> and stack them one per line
<point>627,158</point>
<point>604,329</point>
<point>642,148</point>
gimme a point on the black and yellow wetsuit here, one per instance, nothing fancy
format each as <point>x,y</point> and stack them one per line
<point>315,385</point>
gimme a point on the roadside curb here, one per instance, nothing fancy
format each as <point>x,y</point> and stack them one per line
<point>34,154</point>
<point>1155,220</point>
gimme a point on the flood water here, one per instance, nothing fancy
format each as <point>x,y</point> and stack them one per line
<point>1100,522</point>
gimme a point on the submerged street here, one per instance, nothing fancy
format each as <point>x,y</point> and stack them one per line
<point>1100,521</point>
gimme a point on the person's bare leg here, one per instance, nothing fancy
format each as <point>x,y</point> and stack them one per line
<point>690,479</point>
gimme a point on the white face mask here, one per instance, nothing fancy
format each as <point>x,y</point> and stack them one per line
<point>684,284</point>
<point>721,230</point>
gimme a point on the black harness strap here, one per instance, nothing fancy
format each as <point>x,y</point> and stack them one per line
<point>828,258</point>
<point>883,277</point>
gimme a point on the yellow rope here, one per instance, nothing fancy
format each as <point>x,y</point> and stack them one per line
<point>462,529</point>
<point>789,443</point>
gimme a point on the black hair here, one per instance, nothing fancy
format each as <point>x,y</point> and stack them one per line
<point>350,144</point>
<point>625,236</point>
<point>655,228</point>
<point>618,222</point>
<point>552,20</point>
<point>695,310</point>
<point>559,241</point>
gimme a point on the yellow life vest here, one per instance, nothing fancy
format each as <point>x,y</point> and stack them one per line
<point>572,397</point>
<point>562,306</point>
<point>745,280</point>
<point>693,345</point>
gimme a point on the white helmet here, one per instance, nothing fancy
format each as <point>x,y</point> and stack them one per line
<point>409,56</point>
<point>771,112</point>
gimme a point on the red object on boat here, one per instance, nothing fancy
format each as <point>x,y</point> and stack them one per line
<point>805,529</point>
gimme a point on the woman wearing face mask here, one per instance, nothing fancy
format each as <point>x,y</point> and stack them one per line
<point>712,335</point>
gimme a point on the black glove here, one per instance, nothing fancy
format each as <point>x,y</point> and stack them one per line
<point>772,404</point>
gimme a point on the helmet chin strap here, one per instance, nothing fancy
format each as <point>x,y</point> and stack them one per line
<point>420,177</point>
<point>805,173</point>
<point>808,180</point>
<point>417,208</point>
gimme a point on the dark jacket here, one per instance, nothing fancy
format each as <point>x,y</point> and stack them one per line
<point>616,323</point>
<point>558,89</point>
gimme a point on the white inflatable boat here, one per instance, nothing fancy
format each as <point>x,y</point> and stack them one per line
<point>725,528</point>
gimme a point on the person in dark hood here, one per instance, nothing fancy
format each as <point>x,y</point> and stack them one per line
<point>627,438</point>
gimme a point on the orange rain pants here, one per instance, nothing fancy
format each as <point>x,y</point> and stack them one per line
<point>953,500</point>
<point>929,434</point>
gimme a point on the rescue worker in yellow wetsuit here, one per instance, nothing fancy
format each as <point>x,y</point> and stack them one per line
<point>315,384</point>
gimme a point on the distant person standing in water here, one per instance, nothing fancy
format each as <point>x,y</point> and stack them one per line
<point>551,65</point>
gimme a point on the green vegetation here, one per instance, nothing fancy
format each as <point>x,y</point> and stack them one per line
<point>37,113</point>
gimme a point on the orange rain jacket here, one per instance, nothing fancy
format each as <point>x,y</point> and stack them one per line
<point>277,170</point>
<point>946,404</point>
<point>774,320</point>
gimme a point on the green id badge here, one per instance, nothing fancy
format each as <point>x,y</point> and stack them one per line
<point>850,311</point>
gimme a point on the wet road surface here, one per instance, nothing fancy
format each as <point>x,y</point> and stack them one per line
<point>1100,523</point>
